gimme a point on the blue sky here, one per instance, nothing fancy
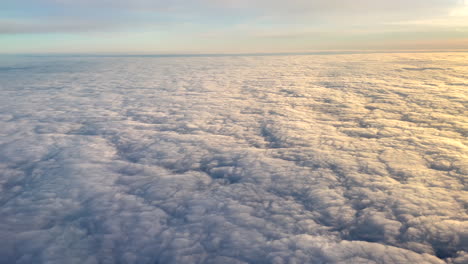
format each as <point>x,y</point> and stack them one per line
<point>229,26</point>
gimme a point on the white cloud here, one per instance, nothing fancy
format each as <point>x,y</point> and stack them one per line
<point>335,159</point>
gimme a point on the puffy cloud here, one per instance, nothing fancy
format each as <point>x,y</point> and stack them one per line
<point>275,159</point>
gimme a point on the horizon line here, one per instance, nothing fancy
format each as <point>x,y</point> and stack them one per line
<point>229,54</point>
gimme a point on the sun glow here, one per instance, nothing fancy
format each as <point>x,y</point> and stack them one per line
<point>461,12</point>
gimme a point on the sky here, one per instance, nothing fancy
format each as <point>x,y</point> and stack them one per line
<point>229,26</point>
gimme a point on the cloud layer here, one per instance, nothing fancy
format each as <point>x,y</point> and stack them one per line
<point>306,159</point>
